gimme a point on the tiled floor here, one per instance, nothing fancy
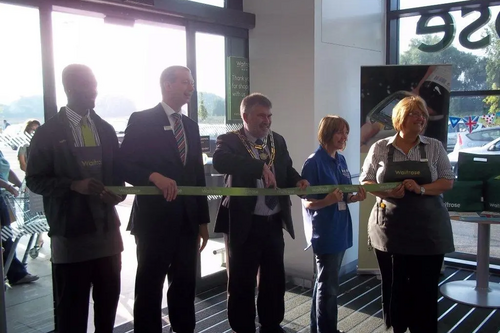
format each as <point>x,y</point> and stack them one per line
<point>360,309</point>
<point>29,307</point>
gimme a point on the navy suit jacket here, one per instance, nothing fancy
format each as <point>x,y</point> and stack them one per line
<point>149,146</point>
<point>242,170</point>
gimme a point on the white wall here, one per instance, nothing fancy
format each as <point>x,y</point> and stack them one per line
<point>349,34</point>
<point>282,67</point>
<point>306,56</point>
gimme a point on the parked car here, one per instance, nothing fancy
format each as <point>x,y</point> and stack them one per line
<point>476,138</point>
<point>453,132</point>
<point>491,148</point>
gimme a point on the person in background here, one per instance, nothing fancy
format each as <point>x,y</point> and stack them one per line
<point>71,161</point>
<point>22,156</point>
<point>22,153</point>
<point>409,226</point>
<point>17,273</point>
<point>327,220</point>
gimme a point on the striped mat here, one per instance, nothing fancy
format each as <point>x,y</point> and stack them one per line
<point>360,309</point>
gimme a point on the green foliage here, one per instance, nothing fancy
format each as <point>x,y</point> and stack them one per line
<point>215,105</point>
<point>468,72</point>
<point>493,62</point>
<point>202,110</point>
<point>493,101</point>
<point>492,70</point>
<point>468,69</point>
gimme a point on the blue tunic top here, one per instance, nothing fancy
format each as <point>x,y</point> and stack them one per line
<point>328,230</point>
<point>4,168</point>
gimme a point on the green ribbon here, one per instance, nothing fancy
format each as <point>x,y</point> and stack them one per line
<point>245,191</point>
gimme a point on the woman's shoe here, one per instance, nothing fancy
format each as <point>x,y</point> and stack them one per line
<point>28,278</point>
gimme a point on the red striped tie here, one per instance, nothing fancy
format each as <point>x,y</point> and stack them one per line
<point>179,136</point>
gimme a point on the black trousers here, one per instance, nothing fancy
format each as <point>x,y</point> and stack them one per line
<point>158,258</point>
<point>410,291</point>
<point>262,252</point>
<point>73,283</point>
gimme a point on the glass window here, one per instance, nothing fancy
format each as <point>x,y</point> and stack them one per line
<point>405,4</point>
<point>211,83</point>
<point>485,135</point>
<point>497,146</point>
<point>211,88</point>
<point>127,62</point>
<point>21,99</point>
<point>474,106</point>
<point>217,3</point>
<point>473,69</point>
<point>464,106</point>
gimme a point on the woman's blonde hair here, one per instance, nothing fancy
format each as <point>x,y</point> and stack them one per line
<point>330,125</point>
<point>404,107</point>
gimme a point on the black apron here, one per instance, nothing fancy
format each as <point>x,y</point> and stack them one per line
<point>90,161</point>
<point>415,224</point>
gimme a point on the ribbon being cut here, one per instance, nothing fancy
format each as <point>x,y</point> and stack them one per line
<point>243,191</point>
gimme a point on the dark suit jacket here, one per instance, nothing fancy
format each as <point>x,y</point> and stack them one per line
<point>52,167</point>
<point>149,146</point>
<point>242,170</point>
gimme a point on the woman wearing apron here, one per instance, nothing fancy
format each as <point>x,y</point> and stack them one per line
<point>409,226</point>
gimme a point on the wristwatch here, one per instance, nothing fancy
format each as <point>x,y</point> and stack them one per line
<point>422,190</point>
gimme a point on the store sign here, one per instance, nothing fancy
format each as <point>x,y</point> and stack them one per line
<point>205,143</point>
<point>237,87</point>
<point>449,30</point>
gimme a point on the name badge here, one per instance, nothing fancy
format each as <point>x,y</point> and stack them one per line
<point>342,205</point>
<point>167,128</point>
<point>424,160</point>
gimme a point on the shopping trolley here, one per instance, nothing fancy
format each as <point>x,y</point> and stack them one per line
<point>27,223</point>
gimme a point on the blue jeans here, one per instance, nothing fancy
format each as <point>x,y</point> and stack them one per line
<point>16,270</point>
<point>326,289</point>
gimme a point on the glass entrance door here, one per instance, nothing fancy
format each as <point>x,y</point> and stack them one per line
<point>127,61</point>
<point>211,89</point>
<point>28,306</point>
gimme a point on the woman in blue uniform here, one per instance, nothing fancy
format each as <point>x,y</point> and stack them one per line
<point>327,221</point>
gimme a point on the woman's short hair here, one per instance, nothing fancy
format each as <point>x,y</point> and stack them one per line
<point>29,124</point>
<point>404,107</point>
<point>328,126</point>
